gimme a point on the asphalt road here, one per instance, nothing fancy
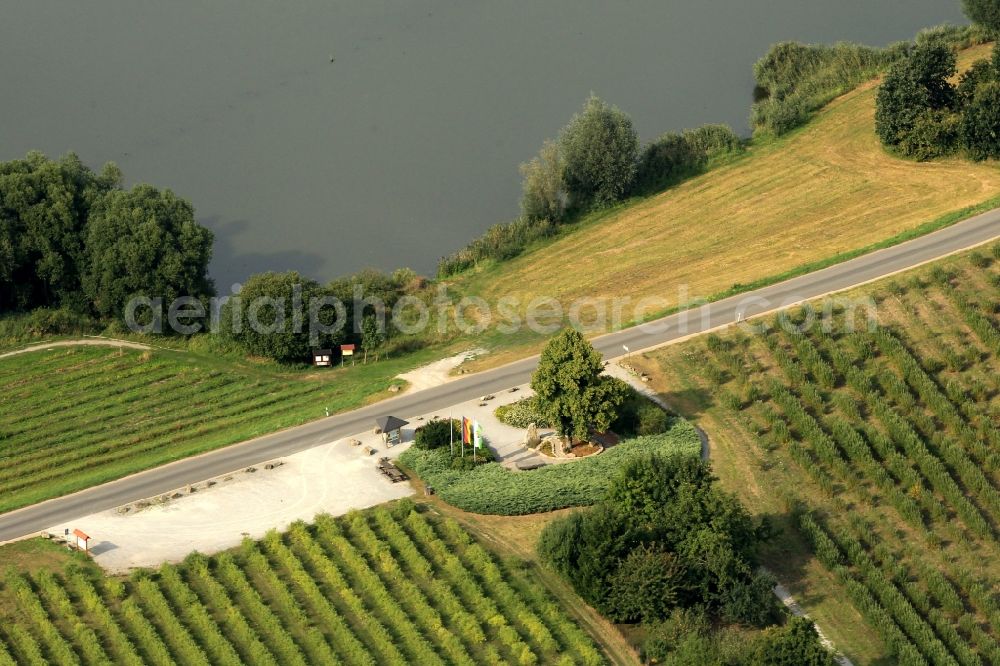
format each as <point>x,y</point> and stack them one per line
<point>961,236</point>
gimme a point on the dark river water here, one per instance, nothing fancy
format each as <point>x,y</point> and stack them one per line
<point>406,145</point>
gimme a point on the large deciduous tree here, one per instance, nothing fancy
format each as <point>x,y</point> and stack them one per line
<point>912,104</point>
<point>543,192</point>
<point>571,388</point>
<point>44,208</point>
<point>600,147</point>
<point>270,317</point>
<point>144,242</point>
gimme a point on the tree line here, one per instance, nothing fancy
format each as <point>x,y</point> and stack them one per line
<point>74,238</point>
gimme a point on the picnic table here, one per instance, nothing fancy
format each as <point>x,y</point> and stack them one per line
<point>389,469</point>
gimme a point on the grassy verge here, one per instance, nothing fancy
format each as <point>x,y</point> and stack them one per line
<point>824,193</point>
<point>775,408</point>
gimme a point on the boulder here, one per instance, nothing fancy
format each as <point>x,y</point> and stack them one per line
<point>531,438</point>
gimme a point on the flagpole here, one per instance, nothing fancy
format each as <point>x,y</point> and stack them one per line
<point>451,435</point>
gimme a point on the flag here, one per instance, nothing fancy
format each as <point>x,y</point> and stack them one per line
<point>477,435</point>
<point>466,431</point>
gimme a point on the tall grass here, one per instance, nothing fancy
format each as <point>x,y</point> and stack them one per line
<point>500,242</point>
<point>795,80</point>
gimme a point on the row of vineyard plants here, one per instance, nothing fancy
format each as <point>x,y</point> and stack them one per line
<point>387,586</point>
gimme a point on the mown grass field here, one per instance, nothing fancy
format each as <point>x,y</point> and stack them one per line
<point>73,417</point>
<point>387,586</point>
<point>889,443</point>
<point>826,189</point>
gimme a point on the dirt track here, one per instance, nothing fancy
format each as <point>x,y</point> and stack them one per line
<point>98,342</point>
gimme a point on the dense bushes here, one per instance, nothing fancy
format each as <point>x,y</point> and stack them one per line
<point>687,639</point>
<point>42,322</point>
<point>980,129</point>
<point>275,317</point>
<point>261,320</point>
<point>523,413</point>
<point>436,434</point>
<point>674,157</point>
<point>921,114</point>
<point>660,509</point>
<point>666,548</point>
<point>599,148</point>
<point>640,416</point>
<point>912,108</point>
<point>595,163</point>
<point>494,489</point>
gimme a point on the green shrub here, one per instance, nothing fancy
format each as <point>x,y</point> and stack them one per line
<point>795,80</point>
<point>435,434</point>
<point>980,72</point>
<point>980,126</point>
<point>956,36</point>
<point>665,161</point>
<point>599,147</point>
<point>714,141</point>
<point>933,134</point>
<point>640,416</point>
<point>494,489</point>
<point>523,413</point>
<point>42,322</point>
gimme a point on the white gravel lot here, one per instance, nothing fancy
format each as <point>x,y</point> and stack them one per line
<point>333,478</point>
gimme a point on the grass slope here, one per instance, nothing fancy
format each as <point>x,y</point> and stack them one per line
<point>74,417</point>
<point>387,586</point>
<point>890,438</point>
<point>494,489</point>
<point>824,190</point>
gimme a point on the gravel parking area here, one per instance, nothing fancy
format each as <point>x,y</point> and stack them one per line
<point>333,478</point>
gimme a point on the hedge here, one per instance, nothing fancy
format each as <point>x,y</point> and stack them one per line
<point>494,489</point>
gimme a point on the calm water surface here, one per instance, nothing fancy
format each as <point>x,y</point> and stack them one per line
<point>406,145</point>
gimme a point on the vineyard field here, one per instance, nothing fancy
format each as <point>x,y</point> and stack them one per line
<point>74,417</point>
<point>881,445</point>
<point>390,585</point>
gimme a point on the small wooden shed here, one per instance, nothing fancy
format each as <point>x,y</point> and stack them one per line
<point>322,358</point>
<point>392,429</point>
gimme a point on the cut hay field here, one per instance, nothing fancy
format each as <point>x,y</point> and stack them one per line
<point>877,452</point>
<point>73,417</point>
<point>386,586</point>
<point>826,189</point>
